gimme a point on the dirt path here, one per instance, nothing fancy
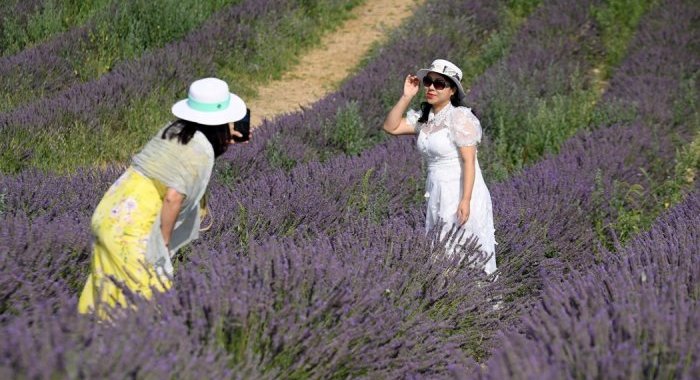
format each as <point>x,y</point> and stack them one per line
<point>320,70</point>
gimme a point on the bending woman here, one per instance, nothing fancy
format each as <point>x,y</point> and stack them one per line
<point>448,133</point>
<point>154,209</point>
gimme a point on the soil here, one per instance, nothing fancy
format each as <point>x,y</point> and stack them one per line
<point>322,69</point>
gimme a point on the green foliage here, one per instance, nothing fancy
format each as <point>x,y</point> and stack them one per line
<point>370,198</point>
<point>476,58</point>
<point>618,20</point>
<point>347,133</point>
<point>3,205</point>
<point>47,20</point>
<point>686,109</point>
<point>636,206</point>
<point>84,145</point>
<point>522,8</point>
<point>130,28</point>
<point>225,173</point>
<point>626,199</point>
<point>524,135</point>
<point>276,155</point>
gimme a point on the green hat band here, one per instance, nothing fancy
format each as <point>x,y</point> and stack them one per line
<point>208,107</point>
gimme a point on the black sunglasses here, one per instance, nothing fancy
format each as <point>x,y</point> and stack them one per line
<point>438,83</point>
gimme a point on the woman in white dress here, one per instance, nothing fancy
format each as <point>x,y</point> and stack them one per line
<point>448,133</point>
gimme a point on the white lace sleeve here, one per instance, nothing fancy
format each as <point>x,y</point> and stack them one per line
<point>464,127</point>
<point>412,118</point>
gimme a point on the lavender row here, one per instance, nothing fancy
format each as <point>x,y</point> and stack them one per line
<point>115,32</point>
<point>134,79</point>
<point>546,214</point>
<point>543,240</point>
<point>353,304</point>
<point>551,62</point>
<point>634,315</point>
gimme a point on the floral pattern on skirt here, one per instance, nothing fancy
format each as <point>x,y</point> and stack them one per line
<point>121,226</point>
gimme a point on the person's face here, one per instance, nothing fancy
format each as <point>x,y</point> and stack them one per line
<point>437,89</point>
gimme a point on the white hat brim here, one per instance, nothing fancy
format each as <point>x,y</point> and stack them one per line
<point>235,111</point>
<point>460,91</point>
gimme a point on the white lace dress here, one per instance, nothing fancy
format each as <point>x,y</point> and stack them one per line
<point>438,142</point>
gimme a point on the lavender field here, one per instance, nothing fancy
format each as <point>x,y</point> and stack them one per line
<point>317,265</point>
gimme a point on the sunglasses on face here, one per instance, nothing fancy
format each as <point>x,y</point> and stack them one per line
<point>438,83</point>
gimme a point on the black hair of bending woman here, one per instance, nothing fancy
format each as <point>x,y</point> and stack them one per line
<point>219,136</point>
<point>425,106</point>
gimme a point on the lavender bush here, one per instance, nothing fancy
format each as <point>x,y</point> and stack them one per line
<point>634,315</point>
<point>350,305</point>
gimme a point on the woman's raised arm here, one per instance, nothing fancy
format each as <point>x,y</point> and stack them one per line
<point>395,123</point>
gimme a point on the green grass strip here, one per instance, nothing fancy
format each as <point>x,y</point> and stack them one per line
<point>525,134</point>
<point>638,205</point>
<point>47,19</point>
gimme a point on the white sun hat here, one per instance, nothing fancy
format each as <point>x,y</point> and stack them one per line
<point>445,67</point>
<point>209,102</point>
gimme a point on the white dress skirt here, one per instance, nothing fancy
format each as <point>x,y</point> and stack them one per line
<point>438,141</point>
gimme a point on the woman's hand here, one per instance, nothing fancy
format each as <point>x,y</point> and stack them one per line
<point>235,133</point>
<point>463,212</point>
<point>411,85</point>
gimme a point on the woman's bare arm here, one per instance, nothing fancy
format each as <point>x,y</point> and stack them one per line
<point>172,203</point>
<point>468,156</point>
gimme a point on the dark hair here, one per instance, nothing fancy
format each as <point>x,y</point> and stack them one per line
<point>218,135</point>
<point>454,99</point>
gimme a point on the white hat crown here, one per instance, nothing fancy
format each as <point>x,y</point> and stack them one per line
<point>208,90</point>
<point>446,67</point>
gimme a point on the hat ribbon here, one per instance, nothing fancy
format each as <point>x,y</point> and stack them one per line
<point>208,107</point>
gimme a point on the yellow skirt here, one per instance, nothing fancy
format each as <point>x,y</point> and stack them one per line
<point>121,226</point>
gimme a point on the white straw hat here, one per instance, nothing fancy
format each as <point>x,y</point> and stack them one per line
<point>445,67</point>
<point>209,102</point>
